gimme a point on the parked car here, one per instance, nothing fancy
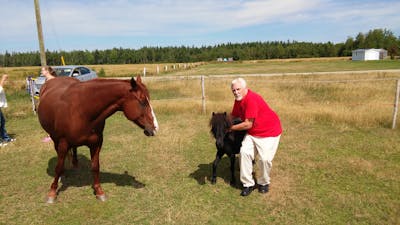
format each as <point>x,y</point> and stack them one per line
<point>81,73</point>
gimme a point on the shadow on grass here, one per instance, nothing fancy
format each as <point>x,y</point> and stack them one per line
<point>82,176</point>
<point>204,172</point>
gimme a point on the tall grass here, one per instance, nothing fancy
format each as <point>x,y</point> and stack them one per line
<point>338,161</point>
<point>364,102</point>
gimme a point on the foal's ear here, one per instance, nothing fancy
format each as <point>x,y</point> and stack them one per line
<point>133,83</point>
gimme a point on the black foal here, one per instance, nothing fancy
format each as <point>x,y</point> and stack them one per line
<point>228,143</point>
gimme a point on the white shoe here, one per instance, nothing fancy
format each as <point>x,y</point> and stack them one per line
<point>10,140</point>
<point>2,144</point>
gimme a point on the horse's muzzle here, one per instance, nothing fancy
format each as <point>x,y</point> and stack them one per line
<point>149,132</point>
<point>220,143</point>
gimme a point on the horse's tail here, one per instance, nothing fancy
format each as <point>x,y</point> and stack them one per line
<point>69,158</point>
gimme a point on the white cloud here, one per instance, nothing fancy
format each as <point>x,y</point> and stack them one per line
<point>63,19</point>
<point>136,17</point>
<point>17,21</point>
<point>255,12</point>
<point>169,17</point>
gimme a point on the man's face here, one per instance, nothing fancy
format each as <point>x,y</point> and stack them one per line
<point>238,91</point>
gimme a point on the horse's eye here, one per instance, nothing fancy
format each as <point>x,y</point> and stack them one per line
<point>144,103</point>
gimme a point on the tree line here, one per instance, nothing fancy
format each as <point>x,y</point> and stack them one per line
<point>378,38</point>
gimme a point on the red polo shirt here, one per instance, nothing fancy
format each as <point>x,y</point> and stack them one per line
<point>266,122</point>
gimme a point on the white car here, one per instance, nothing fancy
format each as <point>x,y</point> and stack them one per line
<point>81,73</point>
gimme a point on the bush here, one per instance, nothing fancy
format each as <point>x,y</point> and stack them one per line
<point>102,73</point>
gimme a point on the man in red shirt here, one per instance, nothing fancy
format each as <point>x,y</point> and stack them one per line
<point>263,133</point>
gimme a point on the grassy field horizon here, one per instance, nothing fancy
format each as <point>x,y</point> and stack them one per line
<point>299,65</point>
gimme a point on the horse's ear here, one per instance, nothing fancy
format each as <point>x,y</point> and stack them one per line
<point>213,113</point>
<point>139,79</point>
<point>133,83</point>
<point>224,113</point>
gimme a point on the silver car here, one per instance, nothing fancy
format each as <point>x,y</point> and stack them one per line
<point>79,72</point>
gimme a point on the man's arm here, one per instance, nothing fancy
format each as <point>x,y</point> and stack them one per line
<point>245,125</point>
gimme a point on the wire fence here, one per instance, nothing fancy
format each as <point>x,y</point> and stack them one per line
<point>203,97</point>
<point>174,92</point>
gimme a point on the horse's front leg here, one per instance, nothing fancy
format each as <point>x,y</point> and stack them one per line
<point>214,167</point>
<point>95,155</point>
<point>233,179</point>
<point>62,149</point>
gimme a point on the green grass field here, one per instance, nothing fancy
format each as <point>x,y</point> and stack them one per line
<point>338,161</point>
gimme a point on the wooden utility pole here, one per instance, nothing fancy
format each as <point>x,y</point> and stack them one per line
<point>40,34</point>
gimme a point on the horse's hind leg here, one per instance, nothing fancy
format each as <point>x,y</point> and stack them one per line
<point>62,149</point>
<point>214,168</point>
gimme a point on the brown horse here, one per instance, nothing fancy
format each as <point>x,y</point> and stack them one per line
<point>74,114</point>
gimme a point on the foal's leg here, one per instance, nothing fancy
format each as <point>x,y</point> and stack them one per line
<point>94,154</point>
<point>74,158</point>
<point>62,149</point>
<point>214,168</point>
<point>233,179</point>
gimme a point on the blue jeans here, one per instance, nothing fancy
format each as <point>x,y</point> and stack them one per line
<point>3,132</point>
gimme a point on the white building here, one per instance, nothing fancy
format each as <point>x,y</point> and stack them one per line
<point>368,54</point>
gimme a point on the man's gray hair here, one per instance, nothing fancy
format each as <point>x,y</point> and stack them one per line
<point>241,81</point>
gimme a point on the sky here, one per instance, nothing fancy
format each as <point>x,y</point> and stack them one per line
<point>105,24</point>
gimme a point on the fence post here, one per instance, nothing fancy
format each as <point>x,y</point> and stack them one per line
<point>396,104</point>
<point>144,71</point>
<point>203,95</point>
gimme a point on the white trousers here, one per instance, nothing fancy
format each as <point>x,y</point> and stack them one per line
<point>265,148</point>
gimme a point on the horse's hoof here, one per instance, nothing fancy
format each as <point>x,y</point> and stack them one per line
<point>51,200</point>
<point>213,181</point>
<point>102,197</point>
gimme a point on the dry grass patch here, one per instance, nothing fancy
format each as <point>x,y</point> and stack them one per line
<point>337,162</point>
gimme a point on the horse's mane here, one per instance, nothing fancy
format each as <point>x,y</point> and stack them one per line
<point>99,83</point>
<point>119,81</point>
<point>220,122</point>
<point>220,119</point>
